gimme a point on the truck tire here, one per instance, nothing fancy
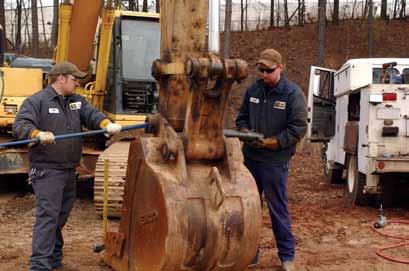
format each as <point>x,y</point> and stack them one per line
<point>355,183</point>
<point>333,173</point>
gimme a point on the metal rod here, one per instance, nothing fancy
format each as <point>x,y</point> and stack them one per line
<point>72,135</point>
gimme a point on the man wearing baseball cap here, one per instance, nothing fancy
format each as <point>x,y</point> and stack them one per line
<point>275,107</point>
<point>53,111</point>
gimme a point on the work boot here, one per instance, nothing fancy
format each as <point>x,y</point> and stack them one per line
<point>287,266</point>
<point>255,260</point>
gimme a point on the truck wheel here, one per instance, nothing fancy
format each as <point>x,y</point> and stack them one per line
<point>333,173</point>
<point>355,183</point>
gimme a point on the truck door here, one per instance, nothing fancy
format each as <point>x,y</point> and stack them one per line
<point>321,105</point>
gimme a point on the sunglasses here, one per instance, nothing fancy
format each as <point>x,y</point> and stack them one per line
<point>267,70</point>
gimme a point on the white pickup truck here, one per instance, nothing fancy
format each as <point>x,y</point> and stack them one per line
<point>361,113</point>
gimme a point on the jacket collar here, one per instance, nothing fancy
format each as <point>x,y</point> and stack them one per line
<point>50,92</point>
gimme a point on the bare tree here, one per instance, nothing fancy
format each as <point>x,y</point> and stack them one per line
<point>321,31</point>
<point>34,27</point>
<point>2,17</point>
<point>246,14</point>
<point>54,27</point>
<point>271,13</point>
<point>227,29</point>
<point>402,13</point>
<point>43,22</point>
<point>335,15</point>
<point>353,10</point>
<point>157,6</point>
<point>27,37</point>
<point>370,28</point>
<point>286,20</point>
<point>301,12</point>
<point>384,8</point>
<point>241,15</point>
<point>145,6</point>
<point>18,27</point>
<point>395,9</point>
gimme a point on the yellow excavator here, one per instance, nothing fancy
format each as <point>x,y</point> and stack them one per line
<point>116,48</point>
<point>190,203</point>
<point>13,90</point>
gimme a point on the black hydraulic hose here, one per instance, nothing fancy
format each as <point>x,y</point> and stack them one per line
<point>72,135</point>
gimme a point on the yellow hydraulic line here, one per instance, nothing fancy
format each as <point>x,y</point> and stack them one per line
<point>63,33</point>
<point>108,18</point>
<point>105,206</point>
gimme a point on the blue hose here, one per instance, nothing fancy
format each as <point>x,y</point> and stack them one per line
<point>73,135</point>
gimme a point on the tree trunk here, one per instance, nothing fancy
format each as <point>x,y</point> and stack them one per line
<point>246,20</point>
<point>227,29</point>
<point>301,12</point>
<point>395,9</point>
<point>34,26</point>
<point>335,16</point>
<point>27,37</point>
<point>353,10</point>
<point>384,8</point>
<point>278,14</point>
<point>365,9</point>
<point>286,21</point>
<point>241,15</point>
<point>402,13</point>
<point>2,17</point>
<point>145,6</point>
<point>271,13</point>
<point>54,28</point>
<point>321,31</point>
<point>18,27</point>
<point>370,29</point>
<point>157,6</point>
<point>43,23</point>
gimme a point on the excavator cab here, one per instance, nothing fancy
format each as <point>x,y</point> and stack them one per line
<point>131,89</point>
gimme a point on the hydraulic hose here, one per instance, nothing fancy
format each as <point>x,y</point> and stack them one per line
<point>72,135</point>
<point>380,251</point>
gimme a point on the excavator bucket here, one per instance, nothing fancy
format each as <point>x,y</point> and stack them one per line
<point>190,203</point>
<point>185,215</point>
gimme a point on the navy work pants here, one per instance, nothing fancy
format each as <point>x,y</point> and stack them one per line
<point>54,198</point>
<point>271,179</point>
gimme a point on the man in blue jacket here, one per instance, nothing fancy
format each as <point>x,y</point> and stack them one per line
<point>275,107</point>
<point>53,111</point>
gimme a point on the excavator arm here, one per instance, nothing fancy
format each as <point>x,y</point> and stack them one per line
<point>190,203</point>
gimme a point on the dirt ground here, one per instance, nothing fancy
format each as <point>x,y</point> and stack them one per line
<point>330,234</point>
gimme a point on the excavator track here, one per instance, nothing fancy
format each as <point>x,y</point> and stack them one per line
<point>117,155</point>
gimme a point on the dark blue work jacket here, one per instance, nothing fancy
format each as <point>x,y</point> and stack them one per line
<point>278,111</point>
<point>48,111</point>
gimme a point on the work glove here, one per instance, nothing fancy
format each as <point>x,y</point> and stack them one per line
<point>113,128</point>
<point>270,143</point>
<point>44,137</point>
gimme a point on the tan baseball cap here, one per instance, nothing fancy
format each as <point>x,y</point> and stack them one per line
<point>270,58</point>
<point>67,68</point>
